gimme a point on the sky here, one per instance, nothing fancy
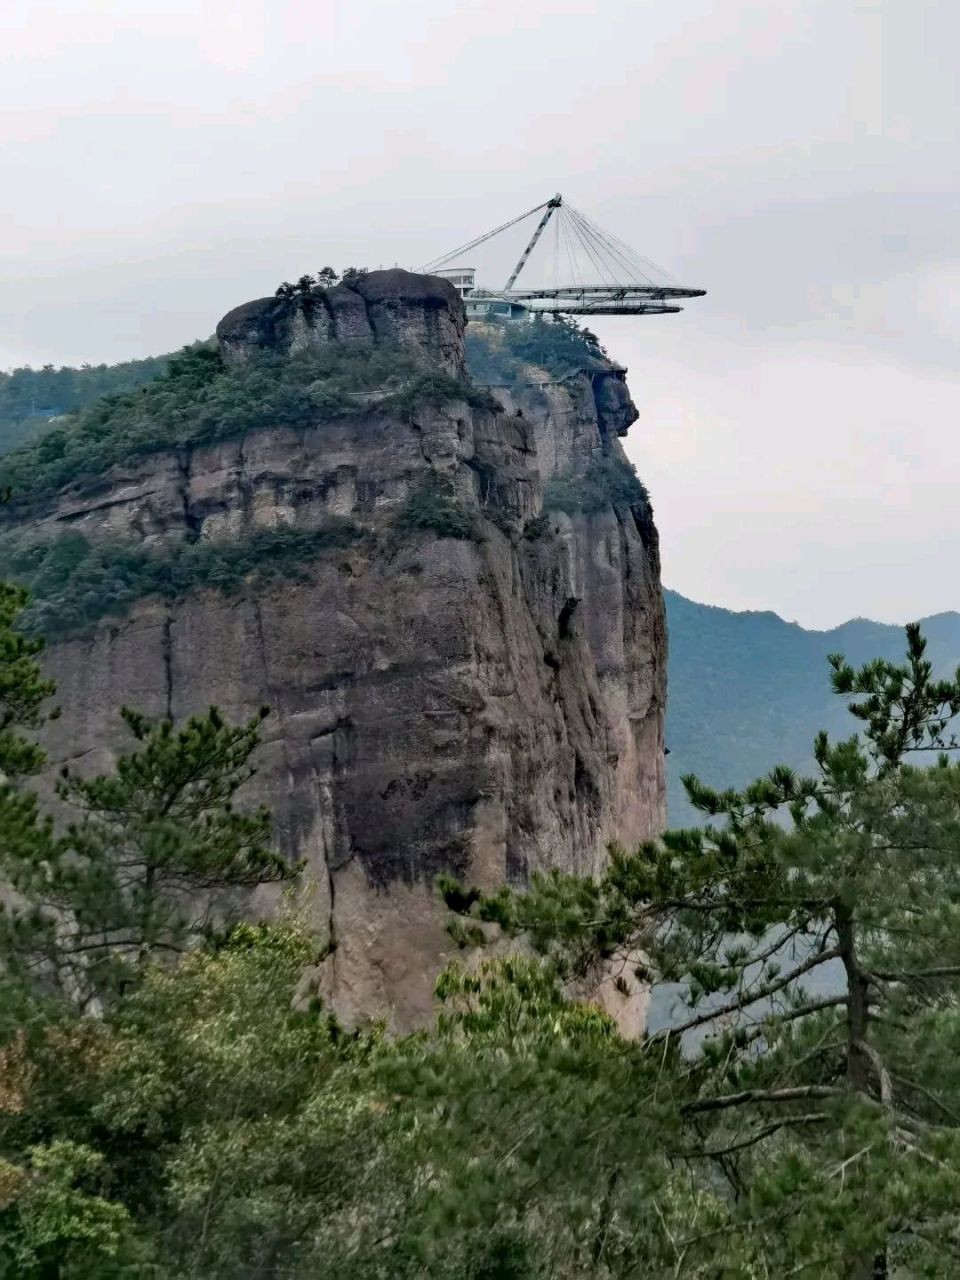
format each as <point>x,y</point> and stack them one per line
<point>799,426</point>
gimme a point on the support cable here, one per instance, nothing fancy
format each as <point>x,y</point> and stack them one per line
<point>618,260</point>
<point>556,252</point>
<point>597,263</point>
<point>570,255</point>
<point>615,265</point>
<point>630,265</point>
<point>625,249</point>
<point>605,260</point>
<point>436,263</point>
<point>619,266</point>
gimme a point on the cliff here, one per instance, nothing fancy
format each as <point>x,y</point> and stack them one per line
<point>462,645</point>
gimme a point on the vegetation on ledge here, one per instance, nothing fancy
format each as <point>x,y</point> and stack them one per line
<point>607,482</point>
<point>200,400</point>
<point>432,507</point>
<point>499,351</point>
<point>75,583</point>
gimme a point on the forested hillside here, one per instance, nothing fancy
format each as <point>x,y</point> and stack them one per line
<point>29,398</point>
<point>749,689</point>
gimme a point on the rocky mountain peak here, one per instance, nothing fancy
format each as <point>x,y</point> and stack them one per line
<point>421,314</point>
<point>448,595</point>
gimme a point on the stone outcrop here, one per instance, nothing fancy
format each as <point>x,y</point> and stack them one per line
<point>489,705</point>
<point>420,313</point>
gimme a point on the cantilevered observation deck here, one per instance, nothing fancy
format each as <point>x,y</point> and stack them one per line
<point>594,273</point>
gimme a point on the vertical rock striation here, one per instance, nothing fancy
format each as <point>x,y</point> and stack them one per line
<point>491,704</point>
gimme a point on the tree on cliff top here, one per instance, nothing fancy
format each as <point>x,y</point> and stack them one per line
<point>815,928</point>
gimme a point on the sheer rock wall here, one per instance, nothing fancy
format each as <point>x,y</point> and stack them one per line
<point>490,705</point>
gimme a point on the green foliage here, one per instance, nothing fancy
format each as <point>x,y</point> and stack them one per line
<point>75,583</point>
<point>432,507</point>
<point>231,1125</point>
<point>256,1112</point>
<point>815,934</point>
<point>204,1116</point>
<point>22,688</point>
<point>503,351</point>
<point>199,400</point>
<point>55,1223</point>
<point>168,410</point>
<point>607,481</point>
<point>351,275</point>
<point>156,847</point>
<point>30,398</point>
<point>123,880</point>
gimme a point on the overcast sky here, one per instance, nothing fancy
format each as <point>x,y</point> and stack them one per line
<point>799,427</point>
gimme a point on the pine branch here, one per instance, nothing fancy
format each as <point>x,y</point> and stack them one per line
<point>794,1094</point>
<point>929,1095</point>
<point>743,1001</point>
<point>812,1117</point>
<point>918,975</point>
<point>816,1006</point>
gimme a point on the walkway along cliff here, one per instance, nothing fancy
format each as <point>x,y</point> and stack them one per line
<point>462,643</point>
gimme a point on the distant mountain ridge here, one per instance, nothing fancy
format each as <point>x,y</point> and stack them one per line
<point>750,690</point>
<point>31,398</point>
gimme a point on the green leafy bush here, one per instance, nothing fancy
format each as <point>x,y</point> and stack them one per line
<point>606,482</point>
<point>75,583</point>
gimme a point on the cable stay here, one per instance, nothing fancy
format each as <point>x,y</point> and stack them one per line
<point>594,272</point>
<point>431,267</point>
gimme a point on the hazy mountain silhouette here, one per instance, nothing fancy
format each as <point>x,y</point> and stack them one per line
<point>749,690</point>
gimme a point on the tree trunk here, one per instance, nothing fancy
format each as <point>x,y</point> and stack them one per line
<point>867,1266</point>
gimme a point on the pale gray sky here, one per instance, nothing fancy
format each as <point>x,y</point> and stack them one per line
<point>165,160</point>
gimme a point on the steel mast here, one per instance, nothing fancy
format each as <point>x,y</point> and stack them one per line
<point>555,203</point>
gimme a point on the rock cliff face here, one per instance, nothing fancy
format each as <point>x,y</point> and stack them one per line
<point>490,704</point>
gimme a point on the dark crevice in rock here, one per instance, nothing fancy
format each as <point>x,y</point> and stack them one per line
<point>166,653</point>
<point>332,752</point>
<point>369,314</point>
<point>244,485</point>
<point>327,315</point>
<point>643,519</point>
<point>564,622</point>
<point>330,945</point>
<point>584,782</point>
<point>418,431</point>
<point>192,522</point>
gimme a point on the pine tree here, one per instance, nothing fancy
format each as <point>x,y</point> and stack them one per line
<point>22,690</point>
<point>143,870</point>
<point>815,927</point>
<point>157,844</point>
<point>352,275</point>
